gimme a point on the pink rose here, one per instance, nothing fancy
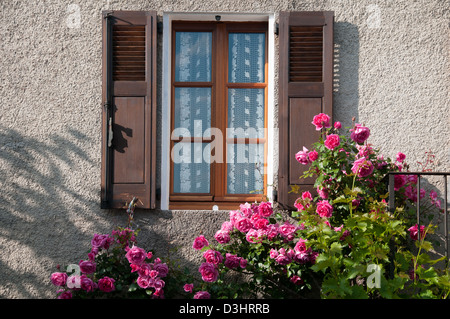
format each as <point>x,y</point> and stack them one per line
<point>227,226</point>
<point>323,192</point>
<point>364,150</point>
<point>284,257</point>
<point>321,120</point>
<point>162,269</point>
<point>324,209</point>
<point>344,234</point>
<point>265,209</point>
<point>143,282</point>
<point>222,236</point>
<point>143,270</point>
<point>99,241</point>
<point>200,242</point>
<point>337,125</point>
<point>302,156</point>
<point>296,280</point>
<point>209,272</point>
<point>243,224</point>
<point>411,179</point>
<point>202,295</point>
<point>158,283</point>
<point>313,155</point>
<point>413,232</point>
<point>399,181</point>
<point>65,295</point>
<point>136,255</point>
<point>306,195</point>
<point>232,261</point>
<point>360,133</point>
<point>106,284</point>
<point>254,236</point>
<point>287,230</point>
<point>271,231</point>
<point>300,246</point>
<point>302,257</point>
<point>87,266</point>
<point>260,223</point>
<point>298,204</point>
<point>433,195</point>
<point>87,284</point>
<point>246,209</point>
<point>234,215</point>
<point>58,278</point>
<point>332,141</point>
<point>188,287</point>
<point>400,157</point>
<point>213,257</point>
<point>273,253</point>
<point>362,167</point>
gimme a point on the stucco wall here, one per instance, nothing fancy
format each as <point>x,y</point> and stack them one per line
<point>392,73</point>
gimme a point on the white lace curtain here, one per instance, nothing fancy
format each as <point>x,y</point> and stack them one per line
<point>193,63</point>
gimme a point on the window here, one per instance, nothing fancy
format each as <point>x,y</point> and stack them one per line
<point>219,114</point>
<point>217,104</point>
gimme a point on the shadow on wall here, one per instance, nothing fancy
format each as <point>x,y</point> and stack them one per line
<point>45,198</point>
<point>50,209</point>
<point>346,73</point>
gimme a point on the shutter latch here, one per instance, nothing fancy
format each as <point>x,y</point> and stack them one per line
<point>110,132</point>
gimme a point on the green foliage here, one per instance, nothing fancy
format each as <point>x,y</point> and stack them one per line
<point>361,249</point>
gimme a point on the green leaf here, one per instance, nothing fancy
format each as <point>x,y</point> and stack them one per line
<point>355,271</point>
<point>133,287</point>
<point>362,226</point>
<point>335,248</point>
<point>358,292</point>
<point>322,263</point>
<point>425,245</point>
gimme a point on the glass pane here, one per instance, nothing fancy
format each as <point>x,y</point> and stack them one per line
<point>193,110</point>
<point>246,57</point>
<point>193,56</point>
<point>245,168</point>
<point>246,113</point>
<point>191,169</point>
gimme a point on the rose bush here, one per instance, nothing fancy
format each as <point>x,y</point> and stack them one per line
<point>329,247</point>
<point>116,268</point>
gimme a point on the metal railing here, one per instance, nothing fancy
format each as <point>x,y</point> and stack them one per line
<point>391,176</point>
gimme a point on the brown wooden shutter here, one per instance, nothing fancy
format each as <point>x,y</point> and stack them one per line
<point>129,110</point>
<point>305,89</point>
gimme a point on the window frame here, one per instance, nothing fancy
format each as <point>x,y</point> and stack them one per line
<point>187,201</point>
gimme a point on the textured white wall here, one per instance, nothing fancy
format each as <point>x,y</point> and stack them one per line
<point>392,73</point>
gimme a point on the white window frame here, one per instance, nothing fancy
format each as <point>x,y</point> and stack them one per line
<point>168,17</point>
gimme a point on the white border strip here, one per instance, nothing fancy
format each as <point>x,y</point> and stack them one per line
<point>168,17</point>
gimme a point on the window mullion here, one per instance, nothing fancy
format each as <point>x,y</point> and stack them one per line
<point>220,108</point>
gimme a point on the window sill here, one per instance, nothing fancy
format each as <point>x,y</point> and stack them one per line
<point>229,204</point>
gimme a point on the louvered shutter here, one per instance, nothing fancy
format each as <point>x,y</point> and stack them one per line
<point>305,89</point>
<point>129,110</point>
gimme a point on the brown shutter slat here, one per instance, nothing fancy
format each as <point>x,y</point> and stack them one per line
<point>128,41</point>
<point>129,93</point>
<point>305,89</point>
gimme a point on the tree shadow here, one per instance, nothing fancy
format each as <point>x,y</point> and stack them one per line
<point>50,210</point>
<point>36,230</point>
<point>346,73</point>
